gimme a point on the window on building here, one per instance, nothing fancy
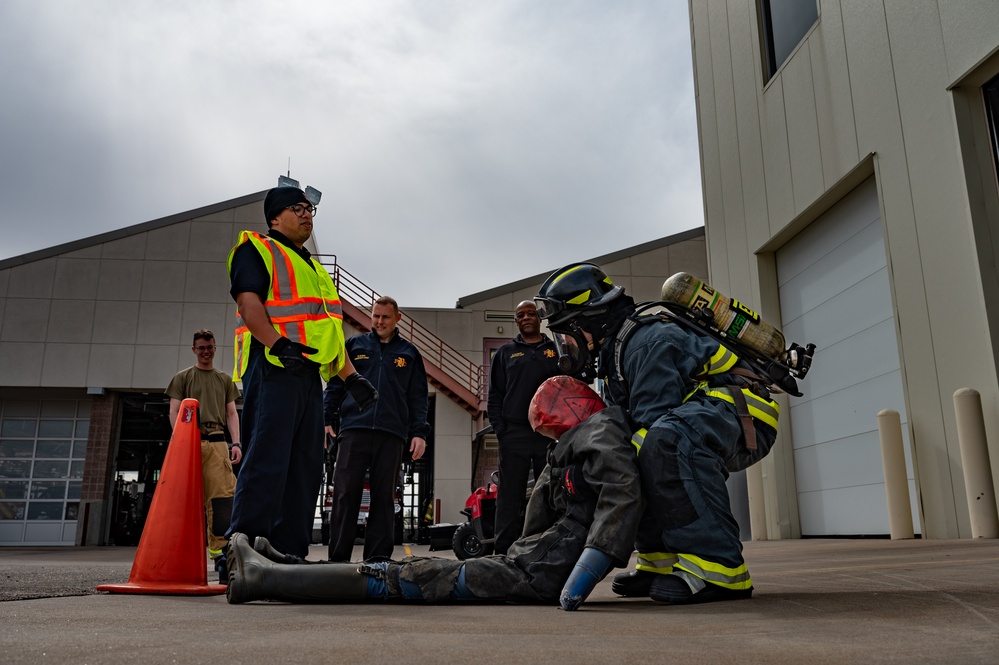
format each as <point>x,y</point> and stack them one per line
<point>991,92</point>
<point>784,23</point>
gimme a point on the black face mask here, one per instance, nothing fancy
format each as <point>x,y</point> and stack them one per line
<point>574,359</point>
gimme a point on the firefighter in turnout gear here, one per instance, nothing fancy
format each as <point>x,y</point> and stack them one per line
<point>700,414</point>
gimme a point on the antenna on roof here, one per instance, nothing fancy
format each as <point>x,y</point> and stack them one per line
<point>289,167</point>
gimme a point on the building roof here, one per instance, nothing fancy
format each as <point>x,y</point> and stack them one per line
<point>465,301</point>
<point>130,230</point>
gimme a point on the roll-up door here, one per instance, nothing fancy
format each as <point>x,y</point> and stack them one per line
<point>834,291</point>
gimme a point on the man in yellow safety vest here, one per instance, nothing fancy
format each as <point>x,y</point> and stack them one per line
<point>289,338</point>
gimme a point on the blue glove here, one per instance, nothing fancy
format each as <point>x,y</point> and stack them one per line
<point>590,569</point>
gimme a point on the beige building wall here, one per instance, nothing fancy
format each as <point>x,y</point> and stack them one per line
<point>887,88</point>
<point>115,313</point>
<point>120,313</point>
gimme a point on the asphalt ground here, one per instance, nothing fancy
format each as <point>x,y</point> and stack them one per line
<point>816,601</point>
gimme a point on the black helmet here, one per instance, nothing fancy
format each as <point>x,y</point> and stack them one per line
<point>577,289</point>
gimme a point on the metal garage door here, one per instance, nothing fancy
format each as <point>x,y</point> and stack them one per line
<point>834,291</point>
<point>43,444</point>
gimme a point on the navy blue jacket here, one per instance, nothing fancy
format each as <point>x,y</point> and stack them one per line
<point>517,369</point>
<point>395,369</point>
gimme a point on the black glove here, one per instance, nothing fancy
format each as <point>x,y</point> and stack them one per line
<point>291,355</point>
<point>361,390</point>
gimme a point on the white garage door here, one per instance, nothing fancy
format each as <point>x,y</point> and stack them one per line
<point>834,292</point>
<point>43,445</point>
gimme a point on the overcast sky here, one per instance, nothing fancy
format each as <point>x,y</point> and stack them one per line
<point>458,145</point>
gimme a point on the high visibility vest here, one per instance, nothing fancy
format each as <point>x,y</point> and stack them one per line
<point>302,304</point>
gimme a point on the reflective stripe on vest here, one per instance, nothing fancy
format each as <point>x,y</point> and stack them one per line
<point>730,578</point>
<point>638,438</point>
<point>302,304</point>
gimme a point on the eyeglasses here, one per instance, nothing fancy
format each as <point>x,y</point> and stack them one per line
<point>202,349</point>
<point>300,209</point>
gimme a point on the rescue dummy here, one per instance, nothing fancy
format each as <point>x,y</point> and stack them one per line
<point>581,521</point>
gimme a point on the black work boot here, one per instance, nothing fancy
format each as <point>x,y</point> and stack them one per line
<point>263,547</point>
<point>254,577</point>
<point>633,584</point>
<point>674,589</point>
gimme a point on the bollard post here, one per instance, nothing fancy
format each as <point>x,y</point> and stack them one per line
<point>757,504</point>
<point>975,461</point>
<point>896,480</point>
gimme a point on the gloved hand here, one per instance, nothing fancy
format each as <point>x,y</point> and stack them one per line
<point>589,569</point>
<point>361,390</point>
<point>291,355</point>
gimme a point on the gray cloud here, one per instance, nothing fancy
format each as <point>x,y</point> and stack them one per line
<point>458,145</point>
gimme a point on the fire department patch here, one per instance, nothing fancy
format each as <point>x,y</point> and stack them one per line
<point>549,353</point>
<point>400,362</point>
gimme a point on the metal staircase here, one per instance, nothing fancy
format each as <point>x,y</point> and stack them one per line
<point>447,370</point>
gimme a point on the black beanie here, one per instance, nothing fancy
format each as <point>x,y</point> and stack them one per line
<point>280,198</point>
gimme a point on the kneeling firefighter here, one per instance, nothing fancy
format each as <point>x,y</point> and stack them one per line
<point>701,411</point>
<point>581,521</point>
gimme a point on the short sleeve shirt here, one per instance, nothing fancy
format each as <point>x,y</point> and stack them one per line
<point>213,390</point>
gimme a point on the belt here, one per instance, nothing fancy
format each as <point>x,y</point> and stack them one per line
<point>215,436</point>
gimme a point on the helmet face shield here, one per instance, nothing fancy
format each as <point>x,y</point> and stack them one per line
<point>548,307</point>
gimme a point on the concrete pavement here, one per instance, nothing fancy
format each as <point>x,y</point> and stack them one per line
<point>816,601</point>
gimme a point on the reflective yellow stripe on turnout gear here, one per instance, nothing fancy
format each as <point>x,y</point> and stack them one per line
<point>722,361</point>
<point>302,304</point>
<point>638,438</point>
<point>764,410</point>
<point>730,578</point>
<point>656,562</point>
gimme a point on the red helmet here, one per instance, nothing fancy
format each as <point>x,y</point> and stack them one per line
<point>560,404</point>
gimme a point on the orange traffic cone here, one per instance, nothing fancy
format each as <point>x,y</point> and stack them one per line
<point>171,557</point>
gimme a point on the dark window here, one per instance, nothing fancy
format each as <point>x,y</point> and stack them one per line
<point>991,92</point>
<point>784,23</point>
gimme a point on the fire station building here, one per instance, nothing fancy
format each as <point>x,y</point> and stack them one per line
<point>849,156</point>
<point>93,330</point>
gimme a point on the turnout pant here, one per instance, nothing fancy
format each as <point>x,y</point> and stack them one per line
<point>219,484</point>
<point>683,465</point>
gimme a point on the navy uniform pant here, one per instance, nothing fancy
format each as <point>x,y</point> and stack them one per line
<point>279,479</point>
<point>379,454</point>
<point>518,456</point>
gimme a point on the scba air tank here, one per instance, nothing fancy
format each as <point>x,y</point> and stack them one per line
<point>730,316</point>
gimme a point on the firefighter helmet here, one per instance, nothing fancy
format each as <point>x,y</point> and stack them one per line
<point>577,289</point>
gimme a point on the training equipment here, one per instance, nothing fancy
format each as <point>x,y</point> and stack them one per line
<point>691,301</point>
<point>588,571</point>
<point>171,557</point>
<point>252,576</point>
<point>561,403</point>
<point>730,316</point>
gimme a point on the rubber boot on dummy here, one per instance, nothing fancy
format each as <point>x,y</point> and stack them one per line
<point>255,577</point>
